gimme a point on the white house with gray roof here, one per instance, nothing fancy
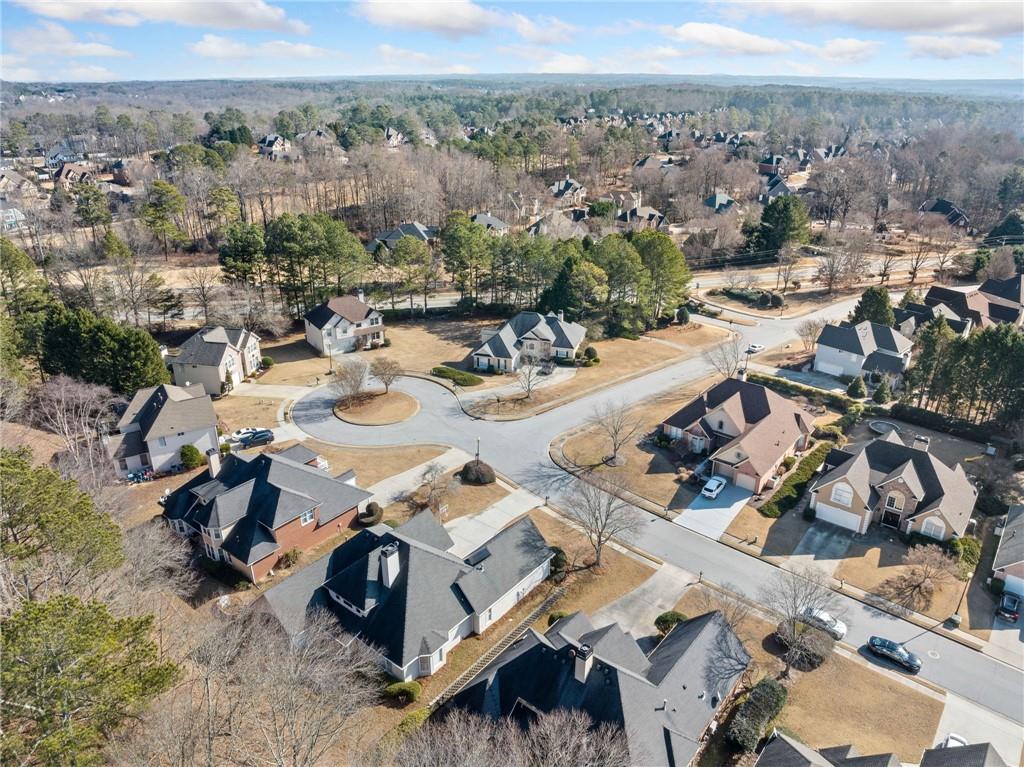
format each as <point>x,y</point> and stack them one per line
<point>867,347</point>
<point>1009,560</point>
<point>540,336</point>
<point>217,358</point>
<point>343,324</point>
<point>159,421</point>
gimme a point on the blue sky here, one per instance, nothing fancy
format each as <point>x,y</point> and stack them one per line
<point>183,39</point>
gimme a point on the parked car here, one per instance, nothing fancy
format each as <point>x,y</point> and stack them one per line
<point>257,438</point>
<point>895,652</point>
<point>1009,608</point>
<point>820,619</point>
<point>237,436</point>
<point>953,741</point>
<point>714,487</point>
<point>755,348</point>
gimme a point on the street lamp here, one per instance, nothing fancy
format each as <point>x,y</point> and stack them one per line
<point>330,356</point>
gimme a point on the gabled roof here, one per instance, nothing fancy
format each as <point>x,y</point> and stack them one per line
<point>565,186</point>
<point>973,755</point>
<point>489,222</point>
<point>506,343</point>
<point>391,237</point>
<point>434,590</point>
<point>719,201</point>
<point>348,307</point>
<point>663,701</point>
<point>209,345</point>
<point>1010,289</point>
<point>160,411</point>
<point>864,338</point>
<point>954,215</point>
<point>1010,550</point>
<point>784,751</point>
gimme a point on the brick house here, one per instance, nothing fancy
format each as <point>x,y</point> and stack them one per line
<point>249,511</point>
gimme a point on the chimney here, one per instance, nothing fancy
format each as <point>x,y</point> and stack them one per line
<point>922,443</point>
<point>389,564</point>
<point>561,315</point>
<point>584,660</point>
<point>213,461</point>
<point>741,374</point>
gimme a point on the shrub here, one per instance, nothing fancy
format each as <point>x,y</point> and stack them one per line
<point>267,361</point>
<point>789,462</point>
<point>191,458</point>
<point>373,514</point>
<point>387,342</point>
<point>559,561</point>
<point>590,353</point>
<point>794,486</point>
<point>966,550</point>
<point>996,586</point>
<point>289,558</point>
<point>461,377</point>
<point>857,389</point>
<point>392,522</point>
<point>683,315</point>
<point>989,505</point>
<point>477,473</point>
<point>587,364</point>
<point>817,396</point>
<point>667,621</point>
<point>810,514</point>
<point>405,692</point>
<point>225,448</point>
<point>565,362</point>
<point>831,432</point>
<point>939,422</point>
<point>761,706</point>
<point>882,393</point>
<point>556,616</point>
<point>595,361</point>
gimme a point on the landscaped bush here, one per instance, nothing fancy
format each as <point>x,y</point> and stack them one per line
<point>225,448</point>
<point>387,342</point>
<point>761,706</point>
<point>477,473</point>
<point>267,361</point>
<point>667,621</point>
<point>857,389</point>
<point>290,557</point>
<point>793,487</point>
<point>817,396</point>
<point>938,422</point>
<point>817,645</point>
<point>683,315</point>
<point>405,692</point>
<point>461,377</point>
<point>789,462</point>
<point>966,550</point>
<point>831,432</point>
<point>392,522</point>
<point>663,440</point>
<point>556,616</point>
<point>559,561</point>
<point>373,514</point>
<point>810,514</point>
<point>191,458</point>
<point>412,722</point>
<point>590,353</point>
<point>849,419</point>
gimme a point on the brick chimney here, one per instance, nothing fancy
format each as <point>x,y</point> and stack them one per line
<point>584,660</point>
<point>213,461</point>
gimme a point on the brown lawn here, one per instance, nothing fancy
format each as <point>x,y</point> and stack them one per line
<point>140,501</point>
<point>462,500</point>
<point>236,412</point>
<point>379,409</point>
<point>43,444</point>
<point>775,537</point>
<point>371,464</point>
<point>648,470</point>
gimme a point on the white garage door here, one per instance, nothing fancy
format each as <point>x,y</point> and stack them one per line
<point>839,517</point>
<point>828,369</point>
<point>745,481</point>
<point>1015,585</point>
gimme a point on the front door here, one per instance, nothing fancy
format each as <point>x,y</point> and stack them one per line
<point>890,519</point>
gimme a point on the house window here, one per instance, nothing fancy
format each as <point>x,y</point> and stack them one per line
<point>162,441</point>
<point>307,517</point>
<point>123,464</point>
<point>894,502</point>
<point>214,533</point>
<point>842,494</point>
<point>721,425</point>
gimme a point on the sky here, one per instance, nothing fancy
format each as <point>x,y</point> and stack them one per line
<point>101,40</point>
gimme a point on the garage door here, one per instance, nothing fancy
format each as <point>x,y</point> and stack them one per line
<point>839,517</point>
<point>745,481</point>
<point>1015,585</point>
<point>828,369</point>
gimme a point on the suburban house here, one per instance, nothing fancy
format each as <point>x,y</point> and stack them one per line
<point>71,173</point>
<point>640,218</point>
<point>158,422</point>
<point>568,192</point>
<point>561,225</point>
<point>14,186</point>
<point>899,486</point>
<point>405,594</point>
<point>540,336</point>
<point>664,701</point>
<point>218,358</point>
<point>250,511</point>
<point>913,317</point>
<point>783,751</point>
<point>991,303</point>
<point>867,347</point>
<point>719,202</point>
<point>492,224</point>
<point>954,215</point>
<point>771,165</point>
<point>272,144</point>
<point>68,150</point>
<point>390,238</point>
<point>131,172</point>
<point>12,219</point>
<point>746,430</point>
<point>1008,564</point>
<point>343,324</point>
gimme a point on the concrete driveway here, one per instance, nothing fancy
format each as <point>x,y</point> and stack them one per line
<point>823,545</point>
<point>635,612</point>
<point>711,517</point>
<point>1006,641</point>
<point>979,725</point>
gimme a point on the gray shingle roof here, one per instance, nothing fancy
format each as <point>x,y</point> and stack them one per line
<point>209,345</point>
<point>391,237</point>
<point>488,221</point>
<point>349,307</point>
<point>165,410</point>
<point>546,327</point>
<point>864,338</point>
<point>1010,550</point>
<point>973,755</point>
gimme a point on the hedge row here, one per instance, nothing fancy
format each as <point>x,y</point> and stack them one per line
<point>937,422</point>
<point>793,487</point>
<point>762,705</point>
<point>819,396</point>
<point>461,377</point>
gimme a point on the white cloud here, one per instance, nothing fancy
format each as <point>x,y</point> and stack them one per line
<point>456,19</point>
<point>989,18</point>
<point>217,47</point>
<point>404,60</point>
<point>219,14</point>
<point>52,39</point>
<point>724,39</point>
<point>16,69</point>
<point>840,50</point>
<point>925,46</point>
<point>543,60</point>
<point>83,73</point>
<point>543,29</point>
<point>801,67</point>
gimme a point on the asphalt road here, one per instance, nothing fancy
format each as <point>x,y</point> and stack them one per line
<point>519,449</point>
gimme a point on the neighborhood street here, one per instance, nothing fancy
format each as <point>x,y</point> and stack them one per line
<point>519,449</point>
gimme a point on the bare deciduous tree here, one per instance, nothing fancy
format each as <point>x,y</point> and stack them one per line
<point>928,566</point>
<point>1000,266</point>
<point>438,486</point>
<point>385,370</point>
<point>832,269</point>
<point>793,594</point>
<point>618,424</point>
<point>244,306</point>
<point>528,374</point>
<point>602,515</point>
<point>349,380</point>
<point>788,262</point>
<point>726,357</point>
<point>205,287</point>
<point>809,330</point>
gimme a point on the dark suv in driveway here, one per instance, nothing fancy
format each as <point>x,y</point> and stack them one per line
<point>1009,608</point>
<point>895,652</point>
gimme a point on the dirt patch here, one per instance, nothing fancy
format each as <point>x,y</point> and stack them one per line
<point>461,500</point>
<point>875,713</point>
<point>237,412</point>
<point>371,465</point>
<point>380,409</point>
<point>43,444</point>
<point>140,501</point>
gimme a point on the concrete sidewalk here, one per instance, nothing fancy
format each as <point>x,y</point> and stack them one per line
<point>395,488</point>
<point>470,532</point>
